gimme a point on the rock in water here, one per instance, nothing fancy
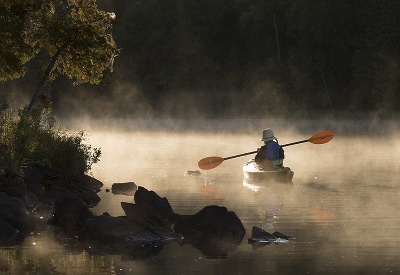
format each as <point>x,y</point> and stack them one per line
<point>211,220</point>
<point>283,236</point>
<point>194,173</point>
<point>70,214</point>
<point>150,202</point>
<point>260,235</point>
<point>124,188</point>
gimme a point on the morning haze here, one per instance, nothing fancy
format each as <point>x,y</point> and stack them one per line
<point>194,79</point>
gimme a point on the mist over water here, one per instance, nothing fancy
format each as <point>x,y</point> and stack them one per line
<point>342,207</point>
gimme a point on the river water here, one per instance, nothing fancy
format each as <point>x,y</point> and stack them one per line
<point>342,206</point>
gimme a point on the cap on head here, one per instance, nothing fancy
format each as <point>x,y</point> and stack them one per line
<point>267,135</point>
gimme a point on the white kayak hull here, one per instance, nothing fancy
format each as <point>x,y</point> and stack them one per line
<point>278,174</point>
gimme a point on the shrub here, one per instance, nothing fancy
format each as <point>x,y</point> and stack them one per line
<point>36,138</point>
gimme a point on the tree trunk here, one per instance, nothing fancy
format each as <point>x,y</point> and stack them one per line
<point>46,75</point>
<point>40,87</point>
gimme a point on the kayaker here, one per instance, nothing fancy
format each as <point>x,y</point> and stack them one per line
<point>270,155</point>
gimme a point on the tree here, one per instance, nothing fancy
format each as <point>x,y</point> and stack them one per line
<point>74,34</point>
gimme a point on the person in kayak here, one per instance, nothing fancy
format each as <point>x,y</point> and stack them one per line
<point>271,154</point>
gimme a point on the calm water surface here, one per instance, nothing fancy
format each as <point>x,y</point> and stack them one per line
<point>342,207</point>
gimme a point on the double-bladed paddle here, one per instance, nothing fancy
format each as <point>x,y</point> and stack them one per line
<point>212,162</point>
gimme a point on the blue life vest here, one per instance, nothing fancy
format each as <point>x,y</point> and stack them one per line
<point>273,150</point>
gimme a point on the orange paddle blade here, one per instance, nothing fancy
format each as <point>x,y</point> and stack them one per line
<point>321,137</point>
<point>210,162</point>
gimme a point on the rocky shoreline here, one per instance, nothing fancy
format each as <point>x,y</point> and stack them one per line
<point>43,200</point>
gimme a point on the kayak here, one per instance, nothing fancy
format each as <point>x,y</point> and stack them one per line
<point>277,174</point>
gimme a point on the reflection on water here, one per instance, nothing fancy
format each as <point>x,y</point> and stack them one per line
<point>269,199</point>
<point>342,206</point>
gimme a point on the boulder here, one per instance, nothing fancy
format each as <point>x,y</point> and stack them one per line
<point>149,203</point>
<point>150,221</point>
<point>124,188</point>
<point>34,176</point>
<point>211,221</point>
<point>89,182</point>
<point>14,212</point>
<point>69,188</point>
<point>48,187</point>
<point>70,214</point>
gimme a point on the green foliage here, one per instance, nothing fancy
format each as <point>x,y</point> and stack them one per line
<point>35,138</point>
<point>15,49</point>
<point>74,30</point>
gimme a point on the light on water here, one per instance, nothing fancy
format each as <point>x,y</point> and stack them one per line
<point>342,207</point>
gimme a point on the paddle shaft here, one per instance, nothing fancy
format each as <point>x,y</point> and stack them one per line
<point>241,155</point>
<point>253,152</point>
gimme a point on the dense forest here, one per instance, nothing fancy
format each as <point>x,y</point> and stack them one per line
<point>241,58</point>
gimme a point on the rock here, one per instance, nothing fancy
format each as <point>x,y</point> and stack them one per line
<point>69,188</point>
<point>194,173</point>
<point>89,182</point>
<point>144,222</point>
<point>14,212</point>
<point>49,187</point>
<point>124,188</point>
<point>150,221</point>
<point>150,203</point>
<point>114,233</point>
<point>70,215</point>
<point>260,237</point>
<point>283,236</point>
<point>211,221</point>
<point>33,179</point>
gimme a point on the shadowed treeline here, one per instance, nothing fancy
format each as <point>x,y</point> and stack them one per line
<point>245,58</point>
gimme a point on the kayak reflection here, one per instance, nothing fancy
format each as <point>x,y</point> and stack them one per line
<point>270,197</point>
